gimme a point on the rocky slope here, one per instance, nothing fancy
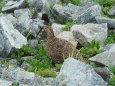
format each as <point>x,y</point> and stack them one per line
<point>20,24</point>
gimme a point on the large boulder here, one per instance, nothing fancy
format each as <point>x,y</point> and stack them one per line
<point>36,26</point>
<point>5,83</point>
<point>87,3</point>
<point>18,13</point>
<point>38,4</point>
<point>24,20</point>
<point>81,14</point>
<point>76,73</point>
<point>109,21</point>
<point>88,32</point>
<point>16,74</point>
<point>12,74</point>
<point>11,38</point>
<point>67,35</point>
<point>57,28</point>
<point>107,58</point>
<point>12,19</point>
<point>27,25</point>
<point>11,5</point>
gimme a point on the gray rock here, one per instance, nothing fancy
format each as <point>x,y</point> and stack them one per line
<point>11,5</point>
<point>18,13</point>
<point>5,83</point>
<point>10,73</point>
<point>5,1</point>
<point>26,25</point>
<point>87,32</point>
<point>39,15</point>
<point>10,38</point>
<point>24,20</point>
<point>13,61</point>
<point>112,12</point>
<point>76,73</point>
<point>12,19</point>
<point>33,43</point>
<point>67,35</point>
<point>38,4</point>
<point>48,81</point>
<point>57,28</point>
<point>25,65</point>
<point>16,74</point>
<point>35,27</point>
<point>81,14</point>
<point>29,78</point>
<point>48,3</point>
<point>109,21</point>
<point>28,57</point>
<point>109,47</point>
<point>87,3</point>
<point>103,72</point>
<point>107,58</point>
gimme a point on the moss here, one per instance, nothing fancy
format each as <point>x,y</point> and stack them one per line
<point>75,2</point>
<point>47,73</point>
<point>6,62</point>
<point>1,5</point>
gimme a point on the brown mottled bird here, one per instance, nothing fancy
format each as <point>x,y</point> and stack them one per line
<point>58,49</point>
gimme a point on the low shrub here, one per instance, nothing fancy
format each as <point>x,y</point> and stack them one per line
<point>92,48</point>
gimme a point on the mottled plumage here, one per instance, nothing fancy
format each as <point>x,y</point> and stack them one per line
<point>58,49</point>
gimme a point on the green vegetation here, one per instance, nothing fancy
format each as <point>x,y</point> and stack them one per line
<point>112,80</point>
<point>24,51</point>
<point>26,1</point>
<point>39,54</point>
<point>75,2</point>
<point>110,39</point>
<point>92,48</point>
<point>6,62</point>
<point>112,69</point>
<point>62,4</point>
<point>15,84</point>
<point>33,10</point>
<point>39,62</point>
<point>1,5</point>
<point>106,5</point>
<point>69,25</point>
<point>47,73</point>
